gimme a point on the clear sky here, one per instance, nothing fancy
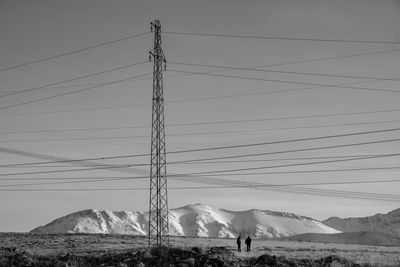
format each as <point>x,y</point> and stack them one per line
<point>229,107</point>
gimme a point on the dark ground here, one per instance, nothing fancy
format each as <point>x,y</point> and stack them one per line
<point>17,249</point>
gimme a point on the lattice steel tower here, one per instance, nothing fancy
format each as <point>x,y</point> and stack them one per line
<point>158,211</point>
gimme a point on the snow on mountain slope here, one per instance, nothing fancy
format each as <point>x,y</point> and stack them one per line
<point>192,220</point>
<point>386,223</point>
<point>95,221</point>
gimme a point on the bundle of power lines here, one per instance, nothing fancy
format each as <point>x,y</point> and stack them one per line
<point>66,165</point>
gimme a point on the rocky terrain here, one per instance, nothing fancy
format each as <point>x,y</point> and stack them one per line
<point>23,249</point>
<point>214,256</point>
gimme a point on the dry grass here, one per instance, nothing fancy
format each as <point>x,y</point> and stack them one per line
<point>86,244</point>
<point>374,255</point>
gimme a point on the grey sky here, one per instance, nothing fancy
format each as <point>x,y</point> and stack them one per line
<point>31,30</point>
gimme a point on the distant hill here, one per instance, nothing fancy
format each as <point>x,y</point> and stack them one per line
<point>192,220</point>
<point>385,223</point>
<point>363,238</point>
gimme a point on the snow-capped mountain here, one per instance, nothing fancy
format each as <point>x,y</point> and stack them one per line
<point>192,220</point>
<point>385,223</point>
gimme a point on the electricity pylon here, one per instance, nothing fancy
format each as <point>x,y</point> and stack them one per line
<point>158,211</point>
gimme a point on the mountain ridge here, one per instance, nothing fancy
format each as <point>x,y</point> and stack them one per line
<point>362,238</point>
<point>387,223</point>
<point>197,220</point>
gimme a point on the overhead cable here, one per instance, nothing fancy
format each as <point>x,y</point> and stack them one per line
<point>73,52</point>
<point>73,92</point>
<point>106,167</point>
<point>284,72</point>
<point>281,38</point>
<point>287,81</point>
<point>243,145</point>
<point>72,79</point>
<point>169,135</point>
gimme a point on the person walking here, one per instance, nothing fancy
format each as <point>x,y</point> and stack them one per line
<point>238,242</point>
<point>248,243</point>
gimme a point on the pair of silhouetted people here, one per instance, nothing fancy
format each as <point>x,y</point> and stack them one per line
<point>247,241</point>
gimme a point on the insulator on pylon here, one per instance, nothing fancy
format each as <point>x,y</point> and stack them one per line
<point>151,28</point>
<point>165,66</point>
<point>149,58</point>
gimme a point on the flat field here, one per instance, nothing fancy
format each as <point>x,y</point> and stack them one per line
<point>90,244</point>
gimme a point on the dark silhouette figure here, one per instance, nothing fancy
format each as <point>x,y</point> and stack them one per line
<point>238,242</point>
<point>248,243</point>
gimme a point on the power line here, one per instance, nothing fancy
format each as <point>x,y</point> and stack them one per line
<point>279,91</point>
<point>73,52</point>
<point>214,174</point>
<point>193,161</point>
<point>285,118</point>
<point>228,171</point>
<point>73,178</point>
<point>72,92</point>
<point>292,189</point>
<point>73,110</point>
<point>83,180</point>
<point>326,58</point>
<point>291,140</point>
<point>221,181</point>
<point>86,180</point>
<point>302,172</point>
<point>302,190</point>
<point>202,173</point>
<point>270,65</point>
<point>72,79</point>
<point>281,38</point>
<point>285,72</point>
<point>183,161</point>
<point>254,144</point>
<point>204,161</point>
<point>230,121</point>
<point>192,178</point>
<point>186,100</point>
<point>350,193</point>
<point>238,146</point>
<point>121,178</point>
<point>298,190</point>
<point>60,86</point>
<point>68,170</point>
<point>313,60</point>
<point>300,164</point>
<point>113,167</point>
<point>308,191</point>
<point>344,85</point>
<point>294,150</point>
<point>283,64</point>
<point>346,194</point>
<point>170,135</point>
<point>218,171</point>
<point>71,160</point>
<point>286,81</point>
<point>105,167</point>
<point>339,183</point>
